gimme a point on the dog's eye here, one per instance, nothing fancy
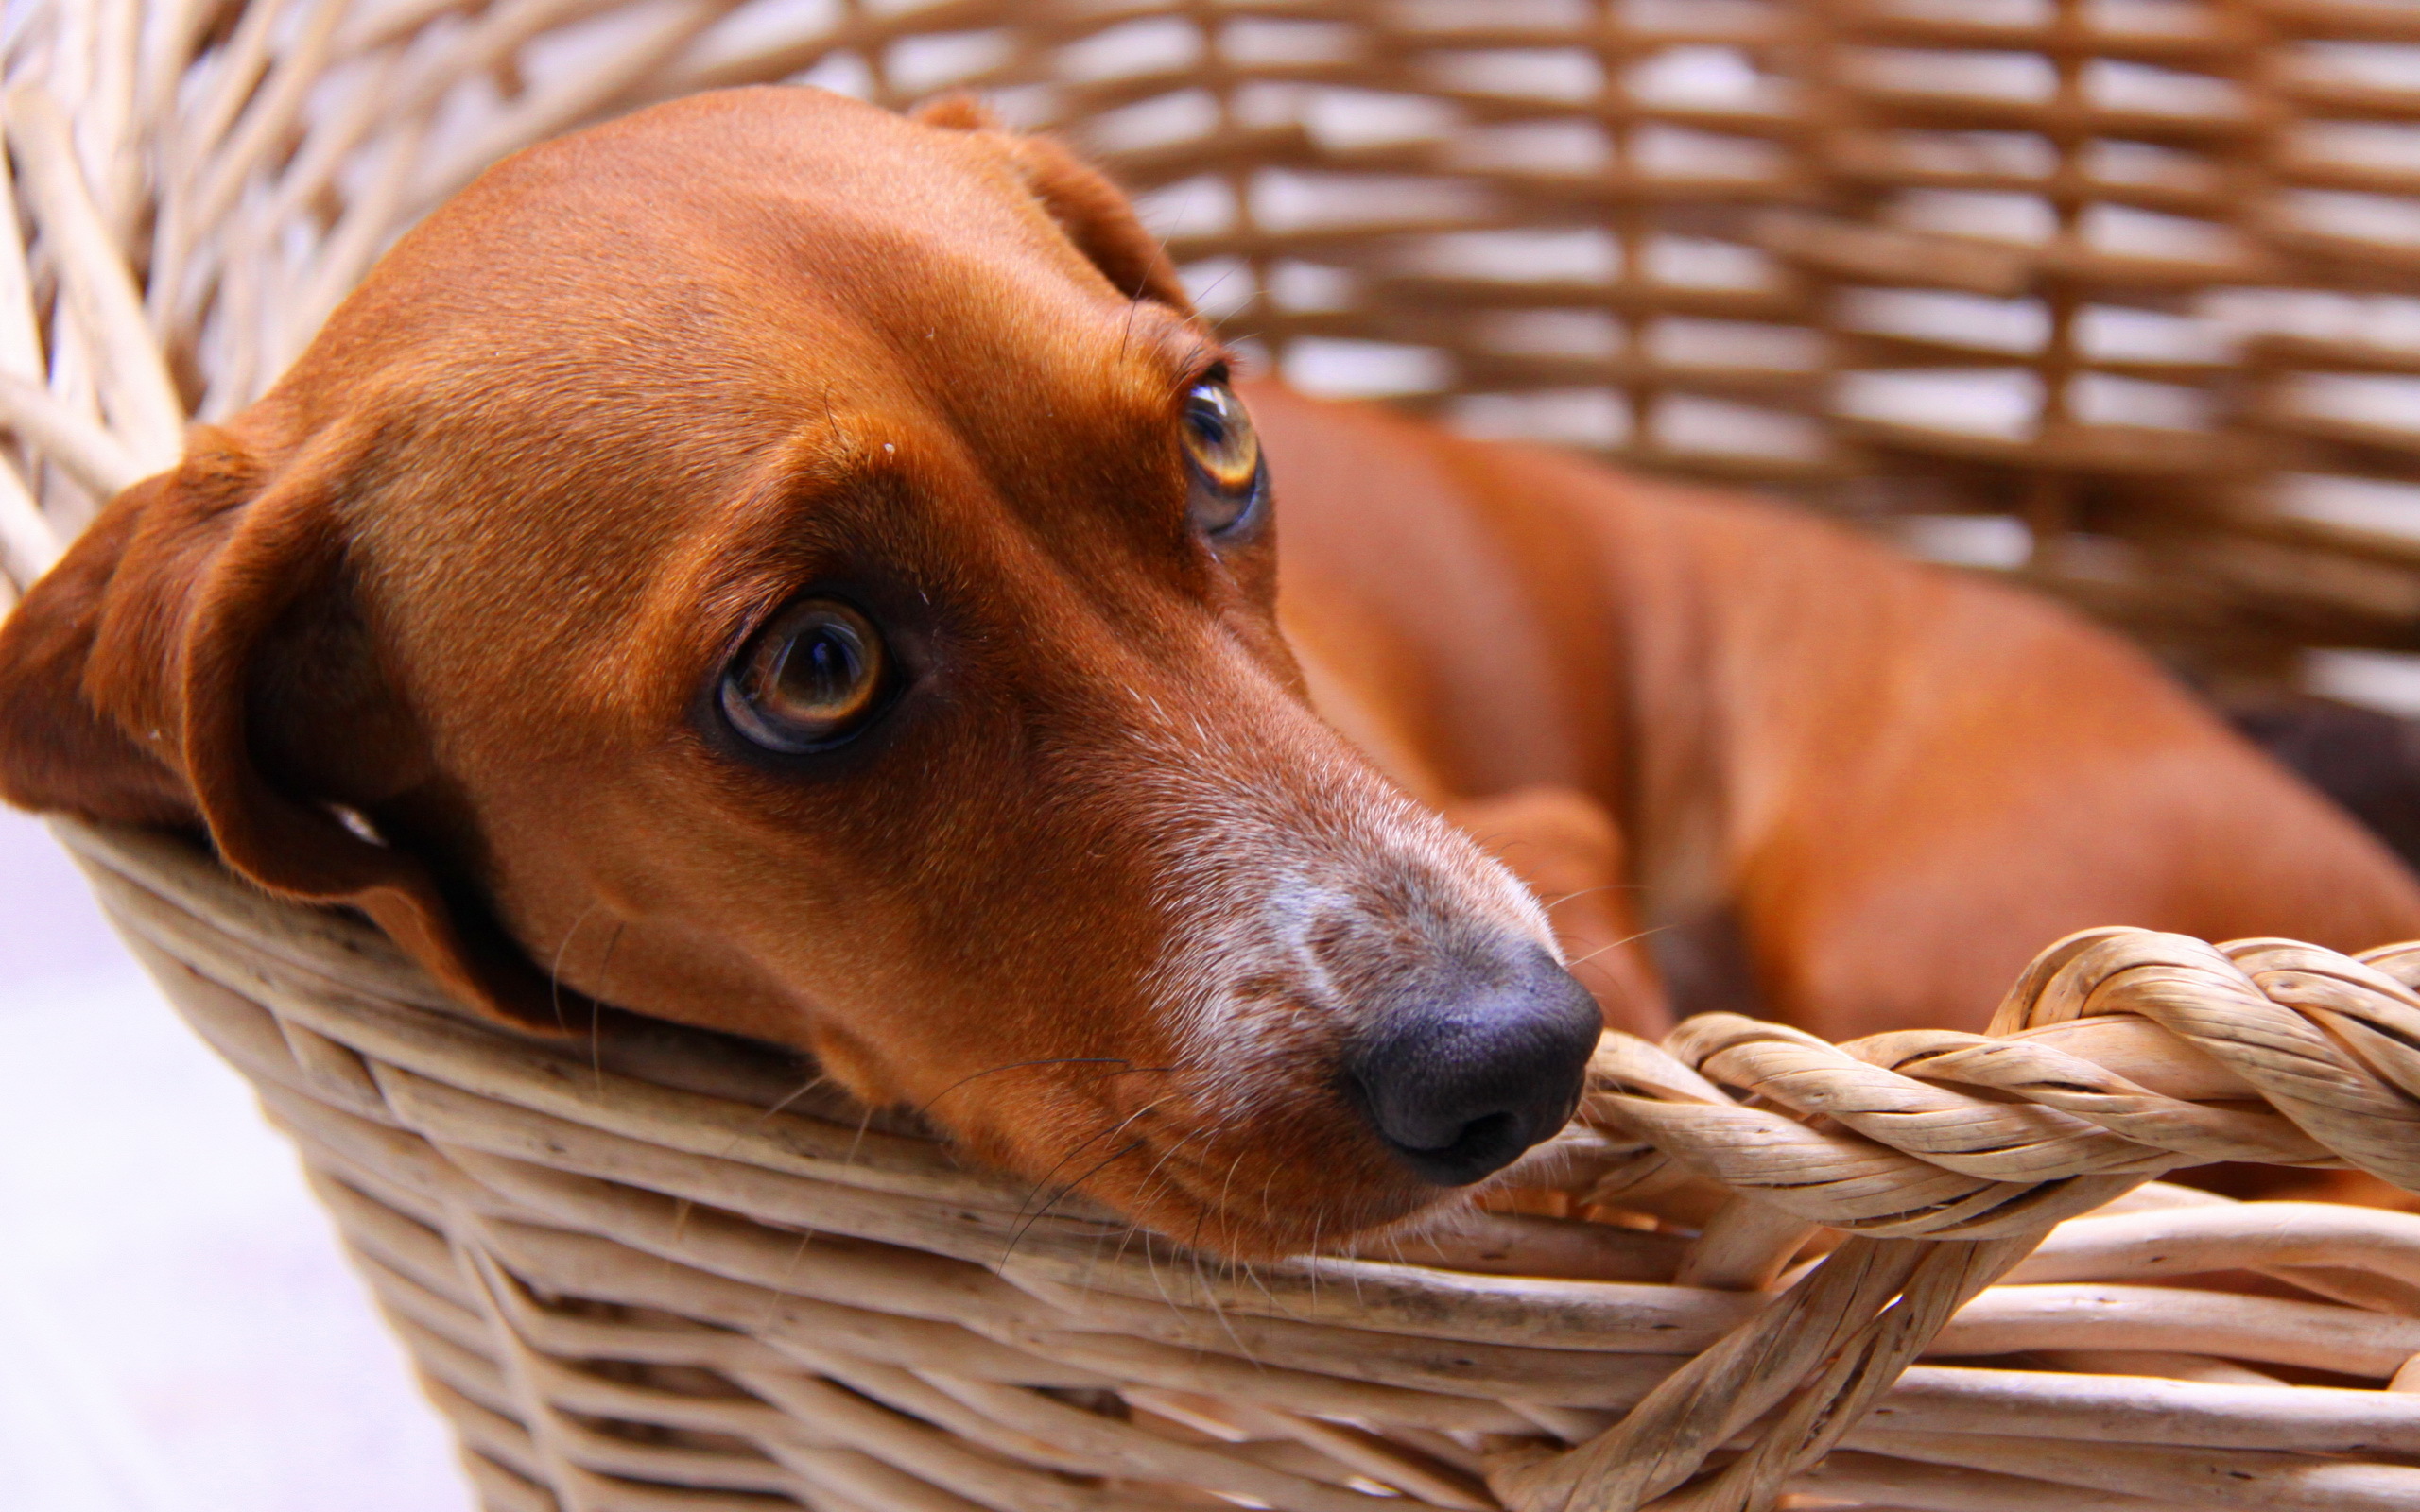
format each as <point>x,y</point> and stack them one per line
<point>808,679</point>
<point>1226,456</point>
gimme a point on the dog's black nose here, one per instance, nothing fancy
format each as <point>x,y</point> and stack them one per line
<point>1458,1083</point>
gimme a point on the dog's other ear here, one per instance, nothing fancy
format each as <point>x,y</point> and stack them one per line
<point>188,662</point>
<point>1099,221</point>
<point>1096,216</point>
<point>956,111</point>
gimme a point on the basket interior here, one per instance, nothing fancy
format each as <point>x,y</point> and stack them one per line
<point>2102,293</point>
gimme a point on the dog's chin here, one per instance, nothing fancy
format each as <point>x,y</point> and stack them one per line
<point>1302,1208</point>
<point>1239,1192</point>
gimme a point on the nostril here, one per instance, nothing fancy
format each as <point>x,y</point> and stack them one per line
<point>1488,1143</point>
<point>1457,1084</point>
<point>1483,1131</point>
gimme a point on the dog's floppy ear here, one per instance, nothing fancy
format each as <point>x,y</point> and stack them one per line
<point>1096,216</point>
<point>176,667</point>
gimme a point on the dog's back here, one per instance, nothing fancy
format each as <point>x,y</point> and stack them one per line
<point>1882,787</point>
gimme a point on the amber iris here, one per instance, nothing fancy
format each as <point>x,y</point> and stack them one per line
<point>810,678</point>
<point>1225,452</point>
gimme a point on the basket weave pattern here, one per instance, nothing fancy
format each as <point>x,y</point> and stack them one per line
<point>637,1275</point>
<point>2122,269</point>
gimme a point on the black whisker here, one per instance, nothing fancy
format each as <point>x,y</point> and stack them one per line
<point>1062,1193</point>
<point>1074,1150</point>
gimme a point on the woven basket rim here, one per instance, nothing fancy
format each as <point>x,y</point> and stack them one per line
<point>677,1113</point>
<point>387,992</point>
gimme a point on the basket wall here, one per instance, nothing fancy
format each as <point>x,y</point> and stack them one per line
<point>654,1273</point>
<point>2116,277</point>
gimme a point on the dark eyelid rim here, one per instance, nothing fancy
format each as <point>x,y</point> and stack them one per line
<point>1214,364</point>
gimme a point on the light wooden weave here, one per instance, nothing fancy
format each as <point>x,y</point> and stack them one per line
<point>654,1272</point>
<point>2122,269</point>
<point>2126,278</point>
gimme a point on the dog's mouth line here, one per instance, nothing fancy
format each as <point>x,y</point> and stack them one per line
<point>1187,1192</point>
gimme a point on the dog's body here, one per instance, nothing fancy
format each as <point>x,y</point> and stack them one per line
<point>1851,792</point>
<point>469,622</point>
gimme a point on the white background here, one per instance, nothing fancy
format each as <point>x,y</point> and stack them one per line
<point>177,1332</point>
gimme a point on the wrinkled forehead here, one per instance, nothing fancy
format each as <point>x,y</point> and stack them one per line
<point>716,263</point>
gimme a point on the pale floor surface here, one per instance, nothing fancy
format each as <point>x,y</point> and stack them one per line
<point>177,1332</point>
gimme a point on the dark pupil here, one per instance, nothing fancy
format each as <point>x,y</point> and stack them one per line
<point>822,667</point>
<point>1210,423</point>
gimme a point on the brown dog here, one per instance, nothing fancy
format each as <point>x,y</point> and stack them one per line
<point>780,567</point>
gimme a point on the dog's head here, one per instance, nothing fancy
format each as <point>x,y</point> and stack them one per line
<point>786,568</point>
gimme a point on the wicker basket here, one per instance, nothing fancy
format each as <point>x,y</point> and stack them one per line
<point>647,1273</point>
<point>2102,273</point>
<point>2100,291</point>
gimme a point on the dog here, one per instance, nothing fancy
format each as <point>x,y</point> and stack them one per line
<point>787,568</point>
